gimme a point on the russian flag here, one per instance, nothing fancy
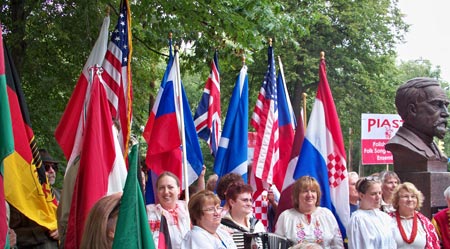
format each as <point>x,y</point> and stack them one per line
<point>232,153</point>
<point>163,130</point>
<point>323,156</point>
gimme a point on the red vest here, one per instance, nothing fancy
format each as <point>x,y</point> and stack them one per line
<point>443,221</point>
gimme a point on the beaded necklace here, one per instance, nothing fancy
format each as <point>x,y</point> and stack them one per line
<point>402,231</point>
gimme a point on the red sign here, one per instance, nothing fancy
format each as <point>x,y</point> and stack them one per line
<point>376,130</point>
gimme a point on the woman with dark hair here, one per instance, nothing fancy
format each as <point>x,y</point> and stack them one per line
<point>173,210</point>
<point>412,229</point>
<point>369,227</point>
<point>307,222</point>
<point>222,186</point>
<point>204,210</point>
<point>239,218</point>
<point>101,222</point>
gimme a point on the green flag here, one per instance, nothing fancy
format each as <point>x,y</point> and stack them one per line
<point>132,229</point>
<point>6,132</point>
<point>6,142</point>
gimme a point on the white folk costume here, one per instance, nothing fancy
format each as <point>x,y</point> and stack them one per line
<point>370,229</point>
<point>200,238</point>
<point>320,227</point>
<point>177,220</point>
<point>420,235</point>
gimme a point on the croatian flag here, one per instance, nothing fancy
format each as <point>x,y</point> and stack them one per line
<point>232,153</point>
<point>323,155</point>
<point>207,117</point>
<point>163,130</point>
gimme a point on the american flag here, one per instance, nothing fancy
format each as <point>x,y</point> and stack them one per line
<point>118,74</point>
<point>207,117</point>
<point>265,121</point>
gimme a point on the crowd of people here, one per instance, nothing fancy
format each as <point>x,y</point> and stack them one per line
<point>220,214</point>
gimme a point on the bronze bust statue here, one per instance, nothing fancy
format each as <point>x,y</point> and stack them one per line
<point>422,104</point>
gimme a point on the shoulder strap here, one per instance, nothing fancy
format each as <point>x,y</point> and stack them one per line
<point>230,223</point>
<point>253,222</point>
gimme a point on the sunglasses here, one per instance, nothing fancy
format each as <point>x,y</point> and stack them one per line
<point>53,165</point>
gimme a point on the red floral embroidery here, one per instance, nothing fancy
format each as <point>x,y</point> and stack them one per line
<point>154,225</point>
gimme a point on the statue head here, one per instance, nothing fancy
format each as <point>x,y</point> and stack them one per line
<point>422,104</point>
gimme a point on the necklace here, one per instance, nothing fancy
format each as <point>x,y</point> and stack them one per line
<point>402,231</point>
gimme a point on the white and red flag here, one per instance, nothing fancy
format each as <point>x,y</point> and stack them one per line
<point>70,129</point>
<point>98,165</point>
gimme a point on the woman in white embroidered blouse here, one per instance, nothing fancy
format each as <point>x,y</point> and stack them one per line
<point>411,228</point>
<point>369,227</point>
<point>173,210</point>
<point>308,223</point>
<point>205,212</point>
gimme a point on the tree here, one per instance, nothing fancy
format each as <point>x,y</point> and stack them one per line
<point>52,39</point>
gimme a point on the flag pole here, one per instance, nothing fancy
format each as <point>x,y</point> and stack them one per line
<point>181,120</point>
<point>288,99</point>
<point>304,95</point>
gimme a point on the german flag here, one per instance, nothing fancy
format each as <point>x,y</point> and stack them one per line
<point>26,185</point>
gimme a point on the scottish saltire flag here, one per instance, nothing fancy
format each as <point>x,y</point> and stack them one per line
<point>207,117</point>
<point>117,65</point>
<point>163,129</point>
<point>232,153</point>
<point>323,155</point>
<point>265,121</point>
<point>286,126</point>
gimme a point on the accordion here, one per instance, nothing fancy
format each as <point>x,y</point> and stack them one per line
<point>267,240</point>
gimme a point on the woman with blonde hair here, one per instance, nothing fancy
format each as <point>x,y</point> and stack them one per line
<point>411,228</point>
<point>101,222</point>
<point>307,222</point>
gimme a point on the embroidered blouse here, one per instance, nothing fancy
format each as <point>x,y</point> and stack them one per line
<point>320,227</point>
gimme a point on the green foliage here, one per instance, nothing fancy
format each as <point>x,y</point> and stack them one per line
<point>52,40</point>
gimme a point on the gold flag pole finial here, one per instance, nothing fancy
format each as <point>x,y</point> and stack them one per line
<point>270,42</point>
<point>322,55</point>
<point>243,59</point>
<point>170,35</point>
<point>108,10</point>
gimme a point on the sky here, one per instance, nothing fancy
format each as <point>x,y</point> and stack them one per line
<point>429,34</point>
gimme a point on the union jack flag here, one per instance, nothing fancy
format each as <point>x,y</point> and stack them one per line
<point>118,74</point>
<point>265,121</point>
<point>207,117</point>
